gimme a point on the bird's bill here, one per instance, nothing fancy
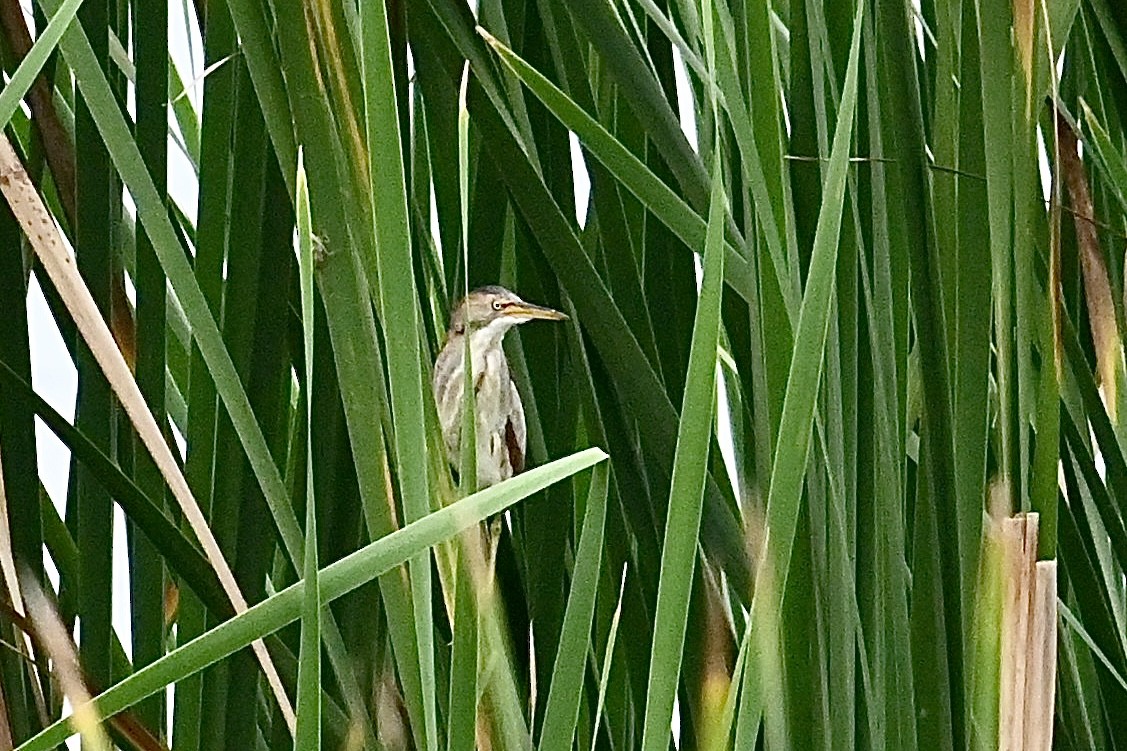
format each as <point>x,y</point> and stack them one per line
<point>528,310</point>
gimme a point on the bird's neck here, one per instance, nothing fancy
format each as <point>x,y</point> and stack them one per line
<point>489,336</point>
<point>482,340</point>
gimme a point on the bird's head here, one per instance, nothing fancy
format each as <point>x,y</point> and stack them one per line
<point>497,307</point>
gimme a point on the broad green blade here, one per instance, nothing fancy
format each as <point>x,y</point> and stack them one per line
<point>399,302</point>
<point>335,580</point>
<point>796,426</point>
<point>150,206</point>
<point>467,462</point>
<point>308,734</point>
<point>566,691</point>
<point>686,495</point>
<point>20,82</point>
<point>658,197</point>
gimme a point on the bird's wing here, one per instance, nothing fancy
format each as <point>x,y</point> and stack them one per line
<point>515,430</point>
<point>447,384</point>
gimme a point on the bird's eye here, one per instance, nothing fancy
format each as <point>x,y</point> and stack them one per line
<point>497,305</point>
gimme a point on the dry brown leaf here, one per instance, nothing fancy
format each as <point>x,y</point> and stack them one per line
<point>55,639</point>
<point>1097,285</point>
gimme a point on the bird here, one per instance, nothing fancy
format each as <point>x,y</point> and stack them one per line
<point>485,315</point>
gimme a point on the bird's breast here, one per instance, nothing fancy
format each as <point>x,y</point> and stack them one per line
<point>499,416</point>
<point>490,378</point>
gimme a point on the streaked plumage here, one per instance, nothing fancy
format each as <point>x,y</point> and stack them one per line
<point>486,314</point>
